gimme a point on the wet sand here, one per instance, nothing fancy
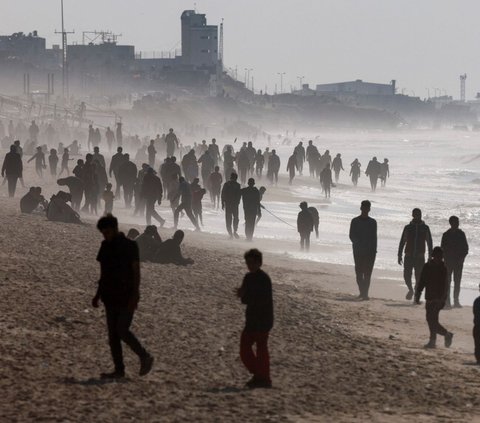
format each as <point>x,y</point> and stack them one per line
<point>333,359</point>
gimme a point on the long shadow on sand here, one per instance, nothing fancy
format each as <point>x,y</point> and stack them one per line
<point>92,381</point>
<point>349,298</point>
<point>227,390</point>
<point>405,305</point>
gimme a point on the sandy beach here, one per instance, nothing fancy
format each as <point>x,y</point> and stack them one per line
<point>333,359</point>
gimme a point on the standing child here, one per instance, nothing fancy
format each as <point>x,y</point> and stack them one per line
<point>256,293</point>
<point>108,197</point>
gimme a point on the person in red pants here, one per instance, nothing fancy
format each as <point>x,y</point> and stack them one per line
<point>256,293</point>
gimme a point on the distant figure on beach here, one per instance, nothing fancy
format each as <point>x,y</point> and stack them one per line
<point>117,160</point>
<point>434,280</point>
<point>171,142</point>
<point>251,207</point>
<point>291,167</point>
<point>12,169</point>
<point>231,195</point>
<point>170,251</point>
<point>363,234</point>
<point>215,186</point>
<point>300,154</point>
<point>384,172</point>
<point>476,327</point>
<point>455,248</point>
<point>326,180</point>
<point>415,237</point>
<point>256,294</point>
<point>337,166</point>
<point>373,172</point>
<point>119,290</point>
<point>76,188</point>
<point>152,192</point>
<point>305,226</point>
<point>185,195</point>
<point>151,154</point>
<point>53,162</point>
<point>316,220</point>
<point>108,196</point>
<point>355,171</point>
<point>40,165</point>
<point>273,168</point>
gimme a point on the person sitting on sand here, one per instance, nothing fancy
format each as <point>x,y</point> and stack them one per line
<point>59,211</point>
<point>148,243</point>
<point>434,280</point>
<point>32,200</point>
<point>256,293</point>
<point>171,253</point>
<point>119,290</point>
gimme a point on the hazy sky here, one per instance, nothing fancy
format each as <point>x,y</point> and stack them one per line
<point>420,43</point>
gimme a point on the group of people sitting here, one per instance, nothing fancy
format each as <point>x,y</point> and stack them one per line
<point>153,249</point>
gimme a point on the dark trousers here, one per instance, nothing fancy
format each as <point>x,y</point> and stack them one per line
<point>151,212</point>
<point>117,185</point>
<point>363,269</point>
<point>258,364</point>
<point>128,194</point>
<point>118,323</point>
<point>231,216</point>
<point>305,240</point>
<point>250,218</point>
<point>409,265</point>
<point>433,308</point>
<point>455,270</point>
<point>188,211</point>
<point>476,339</point>
<point>12,185</point>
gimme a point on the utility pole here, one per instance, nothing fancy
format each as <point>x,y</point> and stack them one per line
<point>281,81</point>
<point>64,56</point>
<point>463,78</point>
<point>220,47</point>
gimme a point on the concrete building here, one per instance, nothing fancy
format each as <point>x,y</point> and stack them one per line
<point>305,91</point>
<point>24,48</point>
<point>357,87</point>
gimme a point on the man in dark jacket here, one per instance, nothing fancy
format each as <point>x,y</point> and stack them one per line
<point>434,280</point>
<point>415,238</point>
<point>251,207</point>
<point>151,192</point>
<point>12,169</point>
<point>256,293</point>
<point>185,195</point>
<point>117,161</point>
<point>231,195</point>
<point>119,290</point>
<point>363,234</point>
<point>455,248</point>
<point>127,175</point>
<point>305,226</point>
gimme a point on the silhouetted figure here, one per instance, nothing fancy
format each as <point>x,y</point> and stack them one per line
<point>170,251</point>
<point>337,166</point>
<point>33,132</point>
<point>119,134</point>
<point>152,192</point>
<point>373,172</point>
<point>312,157</point>
<point>127,175</point>
<point>197,196</point>
<point>152,152</point>
<point>214,151</point>
<point>31,201</point>
<point>65,159</point>
<point>208,165</point>
<point>316,219</point>
<point>190,166</point>
<point>261,190</point>
<point>53,162</point>
<point>415,237</point>
<point>273,168</point>
<point>231,195</point>
<point>228,162</point>
<point>215,183</point>
<point>304,226</point>
<point>384,172</point>
<point>39,158</point>
<point>110,137</point>
<point>12,169</point>
<point>90,185</point>
<point>363,234</point>
<point>97,157</point>
<point>78,169</point>
<point>76,188</point>
<point>326,180</point>
<point>148,243</point>
<point>299,152</point>
<point>434,280</point>
<point>108,196</point>
<point>476,328</point>
<point>256,294</point>
<point>119,290</point>
<point>59,211</point>
<point>455,248</point>
<point>355,171</point>
<point>259,164</point>
<point>185,195</point>
<point>291,167</point>
<point>251,207</point>
<point>171,142</point>
<point>243,164</point>
<point>117,160</point>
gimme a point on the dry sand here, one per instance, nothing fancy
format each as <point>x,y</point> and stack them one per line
<point>333,359</point>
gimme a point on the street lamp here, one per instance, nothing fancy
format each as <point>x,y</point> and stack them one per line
<point>281,81</point>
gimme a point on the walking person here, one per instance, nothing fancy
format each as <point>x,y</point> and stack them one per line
<point>251,207</point>
<point>415,237</point>
<point>256,294</point>
<point>434,280</point>
<point>119,290</point>
<point>185,195</point>
<point>39,158</point>
<point>12,169</point>
<point>363,234</point>
<point>151,154</point>
<point>455,248</point>
<point>305,225</point>
<point>152,191</point>
<point>231,195</point>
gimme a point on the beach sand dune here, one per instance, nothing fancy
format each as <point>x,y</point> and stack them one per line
<point>333,359</point>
